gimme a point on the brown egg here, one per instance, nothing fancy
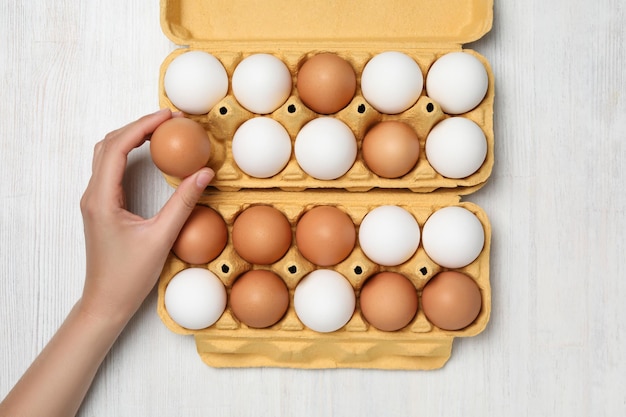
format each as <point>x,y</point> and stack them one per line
<point>202,238</point>
<point>451,300</point>
<point>261,235</point>
<point>326,83</point>
<point>391,149</point>
<point>259,298</point>
<point>325,235</point>
<point>388,301</point>
<point>179,147</point>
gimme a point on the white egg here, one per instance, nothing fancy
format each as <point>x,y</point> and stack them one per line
<point>324,300</point>
<point>195,82</point>
<point>325,148</point>
<point>453,237</point>
<point>457,81</point>
<point>261,147</point>
<point>389,235</point>
<point>392,82</point>
<point>195,298</point>
<point>261,83</point>
<point>456,147</point>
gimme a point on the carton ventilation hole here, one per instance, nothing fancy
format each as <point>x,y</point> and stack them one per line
<point>291,108</point>
<point>223,110</point>
<point>358,270</point>
<point>423,270</point>
<point>430,107</point>
<point>361,108</point>
<point>293,269</point>
<point>225,268</point>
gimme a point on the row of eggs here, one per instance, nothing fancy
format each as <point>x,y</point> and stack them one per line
<point>325,148</point>
<point>391,82</point>
<point>324,300</point>
<point>389,235</point>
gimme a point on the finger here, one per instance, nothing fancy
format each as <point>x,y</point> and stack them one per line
<point>92,184</point>
<point>135,133</point>
<point>111,161</point>
<point>175,212</point>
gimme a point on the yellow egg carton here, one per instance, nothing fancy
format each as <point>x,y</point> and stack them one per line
<point>288,343</point>
<point>231,30</point>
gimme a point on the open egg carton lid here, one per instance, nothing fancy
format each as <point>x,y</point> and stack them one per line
<point>231,30</point>
<point>369,24</point>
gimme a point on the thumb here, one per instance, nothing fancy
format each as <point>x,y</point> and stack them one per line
<point>175,212</point>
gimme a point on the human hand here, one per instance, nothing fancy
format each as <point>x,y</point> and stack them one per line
<point>125,252</point>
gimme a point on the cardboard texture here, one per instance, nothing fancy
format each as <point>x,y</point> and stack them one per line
<point>356,31</point>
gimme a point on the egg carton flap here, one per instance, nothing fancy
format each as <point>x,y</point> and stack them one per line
<point>324,352</point>
<point>396,22</point>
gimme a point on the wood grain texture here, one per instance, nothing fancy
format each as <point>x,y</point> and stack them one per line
<point>72,71</point>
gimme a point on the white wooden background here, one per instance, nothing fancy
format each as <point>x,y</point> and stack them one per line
<point>70,71</point>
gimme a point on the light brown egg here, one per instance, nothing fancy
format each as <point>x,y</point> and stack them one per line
<point>391,149</point>
<point>325,235</point>
<point>202,238</point>
<point>261,235</point>
<point>388,301</point>
<point>451,300</point>
<point>259,298</point>
<point>179,147</point>
<point>326,83</point>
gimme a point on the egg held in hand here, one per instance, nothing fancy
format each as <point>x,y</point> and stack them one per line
<point>179,147</point>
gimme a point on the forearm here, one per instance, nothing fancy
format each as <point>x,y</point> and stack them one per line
<point>57,381</point>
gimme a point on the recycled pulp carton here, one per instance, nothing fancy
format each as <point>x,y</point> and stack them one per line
<point>355,30</point>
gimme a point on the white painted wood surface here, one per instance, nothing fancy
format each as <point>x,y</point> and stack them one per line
<point>70,71</point>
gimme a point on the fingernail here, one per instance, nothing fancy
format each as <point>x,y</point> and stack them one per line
<point>203,178</point>
<point>165,110</point>
<point>177,114</point>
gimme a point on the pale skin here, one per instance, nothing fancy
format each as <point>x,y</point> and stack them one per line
<point>125,254</point>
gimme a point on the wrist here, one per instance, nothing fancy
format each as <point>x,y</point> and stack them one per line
<point>106,319</point>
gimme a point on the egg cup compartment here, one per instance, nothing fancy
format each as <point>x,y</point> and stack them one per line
<point>289,343</point>
<point>222,121</point>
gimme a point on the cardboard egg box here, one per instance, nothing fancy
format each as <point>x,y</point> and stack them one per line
<point>218,27</point>
<point>355,30</point>
<point>288,343</point>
